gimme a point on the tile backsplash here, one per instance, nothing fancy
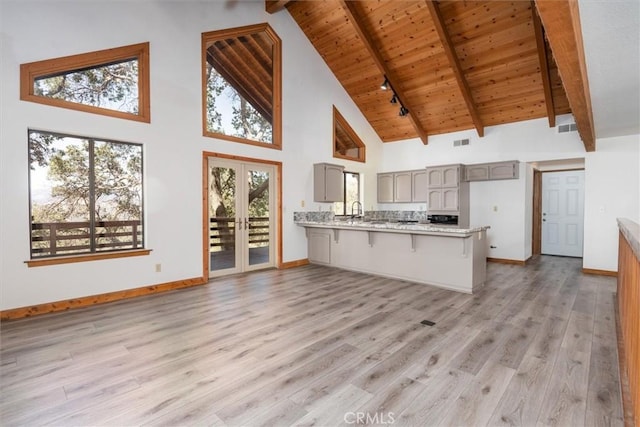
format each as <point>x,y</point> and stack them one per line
<point>374,215</point>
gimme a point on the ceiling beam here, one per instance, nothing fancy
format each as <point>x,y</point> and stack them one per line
<point>561,22</point>
<point>273,6</point>
<point>454,63</point>
<point>544,65</point>
<point>390,75</point>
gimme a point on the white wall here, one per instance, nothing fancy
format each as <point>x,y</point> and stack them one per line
<point>173,141</point>
<point>612,190</point>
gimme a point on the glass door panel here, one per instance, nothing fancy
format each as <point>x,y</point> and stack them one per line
<point>259,214</point>
<point>223,218</point>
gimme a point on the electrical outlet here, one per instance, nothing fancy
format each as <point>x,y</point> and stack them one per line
<point>158,268</point>
<point>495,209</point>
<point>302,203</point>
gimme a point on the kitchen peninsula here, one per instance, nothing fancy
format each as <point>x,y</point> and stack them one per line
<point>443,256</point>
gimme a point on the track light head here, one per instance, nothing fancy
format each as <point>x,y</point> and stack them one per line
<point>394,99</point>
<point>385,84</point>
<point>403,111</point>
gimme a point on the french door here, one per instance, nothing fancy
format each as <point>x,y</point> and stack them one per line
<point>242,216</point>
<point>563,213</point>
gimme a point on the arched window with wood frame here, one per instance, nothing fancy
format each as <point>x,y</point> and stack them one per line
<point>241,74</point>
<point>346,143</point>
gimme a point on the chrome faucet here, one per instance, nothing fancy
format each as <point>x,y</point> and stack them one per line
<point>357,202</point>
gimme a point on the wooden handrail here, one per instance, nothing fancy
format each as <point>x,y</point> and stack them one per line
<point>46,236</point>
<point>222,234</point>
<point>629,315</point>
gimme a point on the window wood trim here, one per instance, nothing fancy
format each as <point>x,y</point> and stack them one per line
<point>277,82</point>
<point>86,257</point>
<point>29,72</point>
<point>338,119</point>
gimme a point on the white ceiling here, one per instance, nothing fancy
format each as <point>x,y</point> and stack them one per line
<point>611,37</point>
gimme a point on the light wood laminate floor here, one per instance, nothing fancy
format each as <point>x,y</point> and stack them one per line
<point>320,346</point>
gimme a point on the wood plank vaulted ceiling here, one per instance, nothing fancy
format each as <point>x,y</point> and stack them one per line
<point>455,65</point>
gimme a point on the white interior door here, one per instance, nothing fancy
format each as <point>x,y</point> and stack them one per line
<point>241,216</point>
<point>563,213</point>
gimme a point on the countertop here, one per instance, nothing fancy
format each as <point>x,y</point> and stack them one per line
<point>394,227</point>
<point>631,232</point>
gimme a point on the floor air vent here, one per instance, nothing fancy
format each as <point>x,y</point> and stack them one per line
<point>567,128</point>
<point>427,323</point>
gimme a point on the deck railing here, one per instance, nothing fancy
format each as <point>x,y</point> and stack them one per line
<point>222,232</point>
<point>67,238</point>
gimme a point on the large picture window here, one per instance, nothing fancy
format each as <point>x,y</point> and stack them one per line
<point>112,82</point>
<point>242,83</point>
<point>86,195</point>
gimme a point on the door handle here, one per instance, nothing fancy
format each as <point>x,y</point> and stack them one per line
<point>246,223</point>
<point>239,223</point>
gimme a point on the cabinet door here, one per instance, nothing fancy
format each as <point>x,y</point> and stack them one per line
<point>476,172</point>
<point>434,199</point>
<point>434,177</point>
<point>385,188</point>
<point>319,249</point>
<point>334,182</point>
<point>420,186</point>
<point>450,176</point>
<point>402,187</point>
<point>450,199</point>
<point>503,170</point>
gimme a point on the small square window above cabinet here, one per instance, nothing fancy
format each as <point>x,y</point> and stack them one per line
<point>492,171</point>
<point>328,183</point>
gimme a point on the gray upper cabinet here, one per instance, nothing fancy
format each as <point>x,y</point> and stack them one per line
<point>504,170</point>
<point>402,186</point>
<point>447,193</point>
<point>402,190</point>
<point>443,176</point>
<point>492,171</point>
<point>385,188</point>
<point>476,172</point>
<point>419,187</point>
<point>328,182</point>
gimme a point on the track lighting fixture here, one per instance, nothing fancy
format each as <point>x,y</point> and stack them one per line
<point>385,84</point>
<point>403,111</point>
<point>394,99</point>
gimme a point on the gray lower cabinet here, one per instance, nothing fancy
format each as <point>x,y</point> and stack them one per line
<point>319,245</point>
<point>492,171</point>
<point>328,182</point>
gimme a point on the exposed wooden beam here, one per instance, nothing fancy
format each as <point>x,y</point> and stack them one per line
<point>544,65</point>
<point>390,75</point>
<point>454,63</point>
<point>273,6</point>
<point>561,22</point>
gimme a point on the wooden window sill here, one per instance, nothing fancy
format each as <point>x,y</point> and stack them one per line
<point>86,257</point>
